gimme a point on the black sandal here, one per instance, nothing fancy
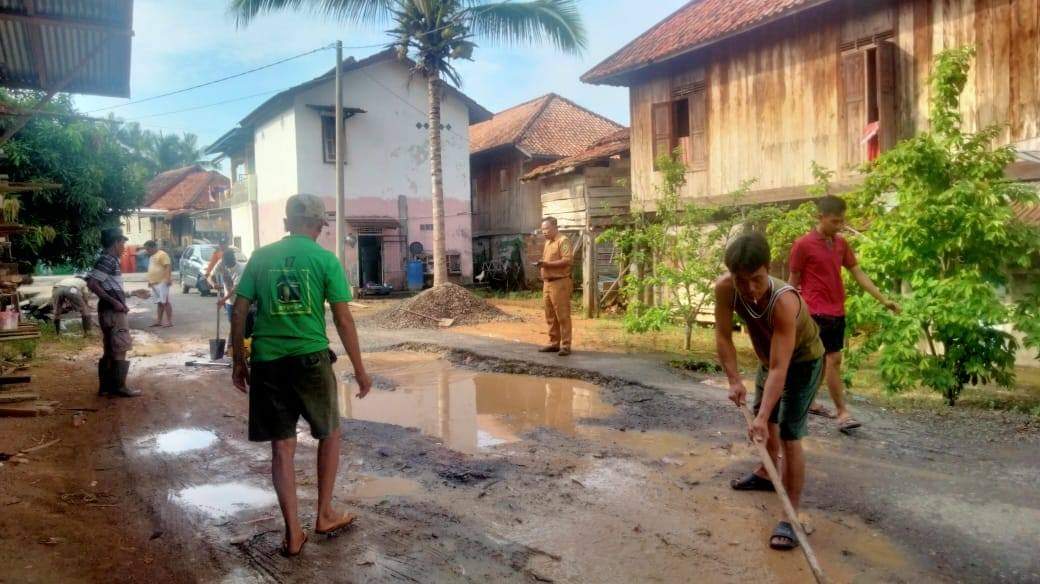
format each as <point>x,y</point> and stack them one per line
<point>783,532</point>
<point>752,482</point>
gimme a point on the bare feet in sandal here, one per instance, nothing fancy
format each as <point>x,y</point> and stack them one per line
<point>333,523</point>
<point>289,550</point>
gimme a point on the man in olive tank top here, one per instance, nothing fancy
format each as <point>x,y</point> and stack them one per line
<point>790,354</point>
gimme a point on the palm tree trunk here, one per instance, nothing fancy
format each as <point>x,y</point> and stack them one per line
<point>440,260</point>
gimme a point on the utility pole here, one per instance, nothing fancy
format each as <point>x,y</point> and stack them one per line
<point>341,218</point>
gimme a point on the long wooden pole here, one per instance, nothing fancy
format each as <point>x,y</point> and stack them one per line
<point>792,516</point>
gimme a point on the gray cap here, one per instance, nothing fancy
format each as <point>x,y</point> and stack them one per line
<point>306,207</point>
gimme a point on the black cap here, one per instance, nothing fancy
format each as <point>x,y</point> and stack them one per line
<point>112,235</point>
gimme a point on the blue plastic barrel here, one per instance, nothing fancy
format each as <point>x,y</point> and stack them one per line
<point>415,275</point>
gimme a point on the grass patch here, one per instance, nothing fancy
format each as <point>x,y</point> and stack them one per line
<point>696,365</point>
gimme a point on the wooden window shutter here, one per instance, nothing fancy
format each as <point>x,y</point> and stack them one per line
<point>699,127</point>
<point>661,126</point>
<point>886,94</point>
<point>854,106</point>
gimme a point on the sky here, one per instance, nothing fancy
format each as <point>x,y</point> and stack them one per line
<point>187,42</point>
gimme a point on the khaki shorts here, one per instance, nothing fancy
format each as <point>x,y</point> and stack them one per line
<point>161,293</point>
<point>282,390</point>
<point>792,411</point>
<point>115,331</point>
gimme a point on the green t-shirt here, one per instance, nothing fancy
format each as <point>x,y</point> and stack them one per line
<point>290,281</point>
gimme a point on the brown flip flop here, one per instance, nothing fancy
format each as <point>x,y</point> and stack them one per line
<point>284,551</point>
<point>821,410</point>
<point>342,524</point>
<point>849,423</point>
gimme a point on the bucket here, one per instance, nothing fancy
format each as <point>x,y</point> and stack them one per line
<point>216,349</point>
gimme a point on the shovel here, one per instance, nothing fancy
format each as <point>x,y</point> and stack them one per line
<point>217,345</point>
<point>441,322</point>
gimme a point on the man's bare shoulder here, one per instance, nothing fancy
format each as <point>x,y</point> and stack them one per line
<point>724,283</point>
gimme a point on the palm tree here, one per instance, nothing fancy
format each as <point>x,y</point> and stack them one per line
<point>433,33</point>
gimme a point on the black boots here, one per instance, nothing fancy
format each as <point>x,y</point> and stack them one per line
<point>112,377</point>
<point>104,373</point>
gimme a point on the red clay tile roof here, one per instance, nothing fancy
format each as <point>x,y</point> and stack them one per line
<point>164,181</point>
<point>611,145</point>
<point>186,188</point>
<point>695,24</point>
<point>549,126</point>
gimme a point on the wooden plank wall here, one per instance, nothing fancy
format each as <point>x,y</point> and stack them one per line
<point>500,212</point>
<point>773,94</point>
<point>564,196</point>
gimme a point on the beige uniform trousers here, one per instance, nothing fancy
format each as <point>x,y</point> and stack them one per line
<point>557,297</point>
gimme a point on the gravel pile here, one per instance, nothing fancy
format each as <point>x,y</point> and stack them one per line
<point>447,301</point>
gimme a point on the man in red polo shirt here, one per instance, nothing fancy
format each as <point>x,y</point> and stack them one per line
<point>816,261</point>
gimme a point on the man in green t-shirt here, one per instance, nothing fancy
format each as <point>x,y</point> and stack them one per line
<point>291,370</point>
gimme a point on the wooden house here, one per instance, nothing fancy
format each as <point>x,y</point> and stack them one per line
<point>586,193</point>
<point>758,89</point>
<point>507,211</point>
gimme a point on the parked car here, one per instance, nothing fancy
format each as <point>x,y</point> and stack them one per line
<point>193,268</point>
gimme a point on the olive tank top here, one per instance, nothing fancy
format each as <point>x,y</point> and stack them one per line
<point>807,345</point>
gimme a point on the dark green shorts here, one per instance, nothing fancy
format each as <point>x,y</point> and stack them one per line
<point>282,390</point>
<point>792,411</point>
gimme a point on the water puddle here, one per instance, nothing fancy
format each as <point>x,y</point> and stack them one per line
<point>468,410</point>
<point>373,487</point>
<point>180,440</point>
<point>223,499</point>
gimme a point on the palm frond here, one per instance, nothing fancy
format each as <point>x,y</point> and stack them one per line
<point>353,11</point>
<point>515,23</point>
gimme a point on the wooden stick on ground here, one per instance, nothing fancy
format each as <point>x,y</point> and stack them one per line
<point>792,516</point>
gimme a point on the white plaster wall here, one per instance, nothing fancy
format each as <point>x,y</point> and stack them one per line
<point>242,226</point>
<point>275,143</point>
<point>387,155</point>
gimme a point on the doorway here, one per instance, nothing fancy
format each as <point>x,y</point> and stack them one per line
<point>370,259</point>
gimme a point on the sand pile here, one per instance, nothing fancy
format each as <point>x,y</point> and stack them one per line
<point>447,301</point>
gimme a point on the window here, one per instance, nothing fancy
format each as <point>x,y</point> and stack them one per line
<point>503,179</point>
<point>868,111</point>
<point>328,140</point>
<point>681,124</point>
<point>426,227</point>
<point>454,263</point>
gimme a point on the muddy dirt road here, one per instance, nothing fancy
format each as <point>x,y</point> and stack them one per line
<point>476,459</point>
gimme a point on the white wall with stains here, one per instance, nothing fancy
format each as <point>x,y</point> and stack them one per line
<point>387,155</point>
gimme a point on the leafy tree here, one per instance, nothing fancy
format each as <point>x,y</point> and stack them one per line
<point>158,152</point>
<point>786,226</point>
<point>93,168</point>
<point>942,227</point>
<point>434,33</point>
<point>684,242</point>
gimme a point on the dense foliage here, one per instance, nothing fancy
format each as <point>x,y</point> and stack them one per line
<point>155,152</point>
<point>683,243</point>
<point>95,170</point>
<point>943,229</point>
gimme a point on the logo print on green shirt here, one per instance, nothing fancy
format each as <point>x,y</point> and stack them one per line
<point>290,291</point>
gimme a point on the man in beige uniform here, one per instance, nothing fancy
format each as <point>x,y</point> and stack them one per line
<point>555,268</point>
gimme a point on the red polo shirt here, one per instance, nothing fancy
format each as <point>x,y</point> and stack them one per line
<point>820,260</point>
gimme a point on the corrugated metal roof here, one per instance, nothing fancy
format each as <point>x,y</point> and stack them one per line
<point>698,23</point>
<point>93,36</point>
